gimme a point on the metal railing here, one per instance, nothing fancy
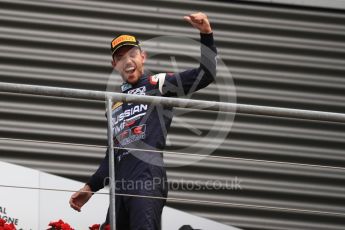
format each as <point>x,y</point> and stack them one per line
<point>174,102</point>
<point>109,97</point>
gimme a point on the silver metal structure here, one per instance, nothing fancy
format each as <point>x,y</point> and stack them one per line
<point>175,102</point>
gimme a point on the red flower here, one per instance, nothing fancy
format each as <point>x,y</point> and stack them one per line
<point>59,225</point>
<point>9,227</point>
<point>5,226</point>
<point>95,227</point>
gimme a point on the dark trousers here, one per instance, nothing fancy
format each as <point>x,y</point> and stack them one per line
<point>137,177</point>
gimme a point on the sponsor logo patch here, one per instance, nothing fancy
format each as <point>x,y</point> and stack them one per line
<point>142,108</point>
<point>123,38</point>
<point>124,134</point>
<point>138,91</point>
<point>134,134</point>
<point>137,130</point>
<point>129,123</point>
<point>154,79</point>
<point>125,86</point>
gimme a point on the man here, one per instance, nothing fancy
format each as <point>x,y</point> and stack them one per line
<point>140,130</point>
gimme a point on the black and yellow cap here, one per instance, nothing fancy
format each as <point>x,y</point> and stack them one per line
<point>123,40</point>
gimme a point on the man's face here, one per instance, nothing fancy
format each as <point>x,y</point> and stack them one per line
<point>129,62</point>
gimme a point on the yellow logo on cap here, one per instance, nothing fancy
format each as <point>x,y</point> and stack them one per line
<point>122,38</point>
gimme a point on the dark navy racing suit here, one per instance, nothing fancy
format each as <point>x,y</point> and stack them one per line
<point>139,127</point>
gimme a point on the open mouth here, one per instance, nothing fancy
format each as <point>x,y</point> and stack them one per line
<point>130,70</point>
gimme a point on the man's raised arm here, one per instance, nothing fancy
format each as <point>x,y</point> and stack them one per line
<point>189,81</point>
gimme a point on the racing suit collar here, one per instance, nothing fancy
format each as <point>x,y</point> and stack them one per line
<point>126,86</point>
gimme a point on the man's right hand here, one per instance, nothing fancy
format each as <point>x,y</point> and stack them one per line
<point>78,199</point>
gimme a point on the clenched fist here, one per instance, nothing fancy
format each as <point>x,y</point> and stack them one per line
<point>200,21</point>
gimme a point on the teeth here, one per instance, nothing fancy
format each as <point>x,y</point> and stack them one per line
<point>129,69</point>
